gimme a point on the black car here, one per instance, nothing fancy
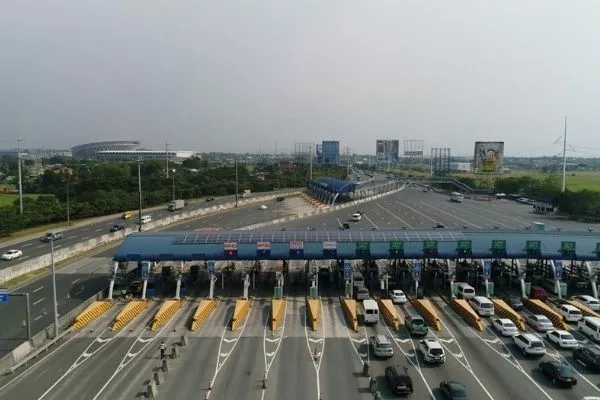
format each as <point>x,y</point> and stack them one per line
<point>453,390</point>
<point>561,374</point>
<point>117,227</point>
<point>209,199</point>
<point>514,302</point>
<point>398,380</point>
<point>439,225</point>
<point>588,356</point>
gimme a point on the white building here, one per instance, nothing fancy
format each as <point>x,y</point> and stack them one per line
<point>461,167</point>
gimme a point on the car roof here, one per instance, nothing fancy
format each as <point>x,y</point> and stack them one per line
<point>398,370</point>
<point>561,331</point>
<point>540,316</point>
<point>505,321</point>
<point>531,337</point>
<point>586,297</point>
<point>432,343</point>
<point>570,307</point>
<point>397,291</point>
<point>592,349</point>
<point>456,385</point>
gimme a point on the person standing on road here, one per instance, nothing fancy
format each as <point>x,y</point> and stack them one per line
<point>162,348</point>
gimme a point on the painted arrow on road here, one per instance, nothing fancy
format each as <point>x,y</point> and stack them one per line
<point>492,340</point>
<point>446,340</point>
<point>224,354</point>
<point>359,340</point>
<point>270,354</point>
<point>229,340</point>
<point>272,340</point>
<point>402,340</point>
<point>315,340</point>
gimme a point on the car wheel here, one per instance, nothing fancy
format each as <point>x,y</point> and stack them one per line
<point>554,380</point>
<point>524,352</point>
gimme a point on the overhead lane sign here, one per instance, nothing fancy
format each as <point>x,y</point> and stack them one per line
<point>296,249</point>
<point>263,249</point>
<point>231,249</point>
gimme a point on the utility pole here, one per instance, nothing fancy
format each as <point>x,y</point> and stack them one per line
<point>310,164</point>
<point>564,177</point>
<point>167,156</point>
<point>139,163</point>
<point>347,160</point>
<point>173,183</point>
<point>20,175</point>
<point>68,206</point>
<point>54,288</point>
<point>236,184</point>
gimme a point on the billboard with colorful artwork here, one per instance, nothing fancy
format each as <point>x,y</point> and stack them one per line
<point>489,157</point>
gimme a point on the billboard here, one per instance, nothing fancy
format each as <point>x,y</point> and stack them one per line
<point>489,157</point>
<point>387,150</point>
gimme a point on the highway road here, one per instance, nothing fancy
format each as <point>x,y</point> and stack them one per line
<point>81,279</point>
<point>35,247</point>
<point>234,362</point>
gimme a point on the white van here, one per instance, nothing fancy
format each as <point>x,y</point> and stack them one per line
<point>371,315</point>
<point>482,306</point>
<point>590,326</point>
<point>571,313</point>
<point>356,217</point>
<point>465,291</point>
<point>146,219</point>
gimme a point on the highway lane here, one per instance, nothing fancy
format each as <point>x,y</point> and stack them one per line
<point>34,247</point>
<point>80,280</point>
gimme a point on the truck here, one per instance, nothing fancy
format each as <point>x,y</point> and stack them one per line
<point>176,205</point>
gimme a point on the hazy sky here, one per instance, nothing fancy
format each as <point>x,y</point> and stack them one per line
<point>234,75</point>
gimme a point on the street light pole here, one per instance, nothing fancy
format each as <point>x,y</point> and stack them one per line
<point>236,184</point>
<point>20,176</point>
<point>173,183</point>
<point>54,287</point>
<point>139,163</point>
<point>68,207</point>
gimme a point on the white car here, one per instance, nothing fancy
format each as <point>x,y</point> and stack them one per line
<point>540,322</point>
<point>591,302</point>
<point>263,207</point>
<point>562,338</point>
<point>398,297</point>
<point>505,326</point>
<point>432,351</point>
<point>12,254</point>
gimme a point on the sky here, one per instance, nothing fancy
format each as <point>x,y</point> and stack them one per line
<point>249,76</point>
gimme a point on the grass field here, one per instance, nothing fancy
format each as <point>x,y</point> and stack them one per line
<point>7,199</point>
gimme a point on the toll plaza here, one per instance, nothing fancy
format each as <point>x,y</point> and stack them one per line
<point>385,259</point>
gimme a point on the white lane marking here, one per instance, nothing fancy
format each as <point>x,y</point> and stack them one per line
<point>26,244</point>
<point>38,317</point>
<point>38,289</point>
<point>226,356</point>
<point>41,245</point>
<point>272,354</point>
<point>85,355</point>
<point>24,258</point>
<point>316,365</point>
<point>85,238</point>
<point>57,247</point>
<point>131,356</point>
<point>371,221</point>
<point>415,211</point>
<point>75,281</point>
<point>451,215</point>
<point>41,362</point>
<point>410,356</point>
<point>39,301</point>
<point>480,216</point>
<point>511,359</point>
<point>395,216</point>
<point>98,230</point>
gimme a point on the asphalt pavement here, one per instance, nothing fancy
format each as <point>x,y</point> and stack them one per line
<point>300,363</point>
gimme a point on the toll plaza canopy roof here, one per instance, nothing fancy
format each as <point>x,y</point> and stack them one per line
<point>358,244</point>
<point>335,185</point>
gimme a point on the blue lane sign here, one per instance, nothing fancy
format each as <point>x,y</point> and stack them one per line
<point>211,267</point>
<point>417,270</point>
<point>347,270</point>
<point>487,269</point>
<point>3,295</point>
<point>558,269</point>
<point>145,269</point>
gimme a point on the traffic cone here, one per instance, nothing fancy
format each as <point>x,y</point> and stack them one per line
<point>210,384</point>
<point>264,381</point>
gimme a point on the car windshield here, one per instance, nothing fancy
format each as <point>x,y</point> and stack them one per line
<point>543,320</point>
<point>384,345</point>
<point>417,322</point>
<point>486,305</point>
<point>458,393</point>
<point>537,345</point>
<point>567,336</point>
<point>564,371</point>
<point>436,352</point>
<point>509,325</point>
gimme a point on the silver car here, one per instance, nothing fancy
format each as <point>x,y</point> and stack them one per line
<point>540,322</point>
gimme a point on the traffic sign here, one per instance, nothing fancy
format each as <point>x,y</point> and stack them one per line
<point>329,245</point>
<point>296,245</point>
<point>230,246</point>
<point>145,269</point>
<point>558,269</point>
<point>487,269</point>
<point>263,245</point>
<point>417,270</point>
<point>211,267</point>
<point>3,295</point>
<point>347,270</point>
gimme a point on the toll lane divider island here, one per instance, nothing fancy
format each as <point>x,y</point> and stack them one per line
<point>389,313</point>
<point>277,311</point>
<point>61,254</point>
<point>463,309</point>
<point>313,308</point>
<point>503,310</point>
<point>427,311</point>
<point>203,311</point>
<point>349,308</point>
<point>129,312</point>
<point>165,313</point>
<point>240,312</point>
<point>91,313</point>
<point>539,307</point>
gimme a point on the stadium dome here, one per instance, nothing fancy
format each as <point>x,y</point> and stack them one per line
<point>88,150</point>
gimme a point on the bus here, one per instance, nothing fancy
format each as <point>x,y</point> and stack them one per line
<point>457,197</point>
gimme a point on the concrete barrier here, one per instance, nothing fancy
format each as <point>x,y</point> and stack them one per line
<point>428,312</point>
<point>387,309</point>
<point>62,254</point>
<point>205,308</point>
<point>349,308</point>
<point>242,308</point>
<point>165,313</point>
<point>277,313</point>
<point>540,307</point>
<point>129,312</point>
<point>503,310</point>
<point>91,313</point>
<point>463,309</point>
<point>313,312</point>
<point>585,310</point>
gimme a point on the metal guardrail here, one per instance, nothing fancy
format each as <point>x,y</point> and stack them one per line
<point>35,354</point>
